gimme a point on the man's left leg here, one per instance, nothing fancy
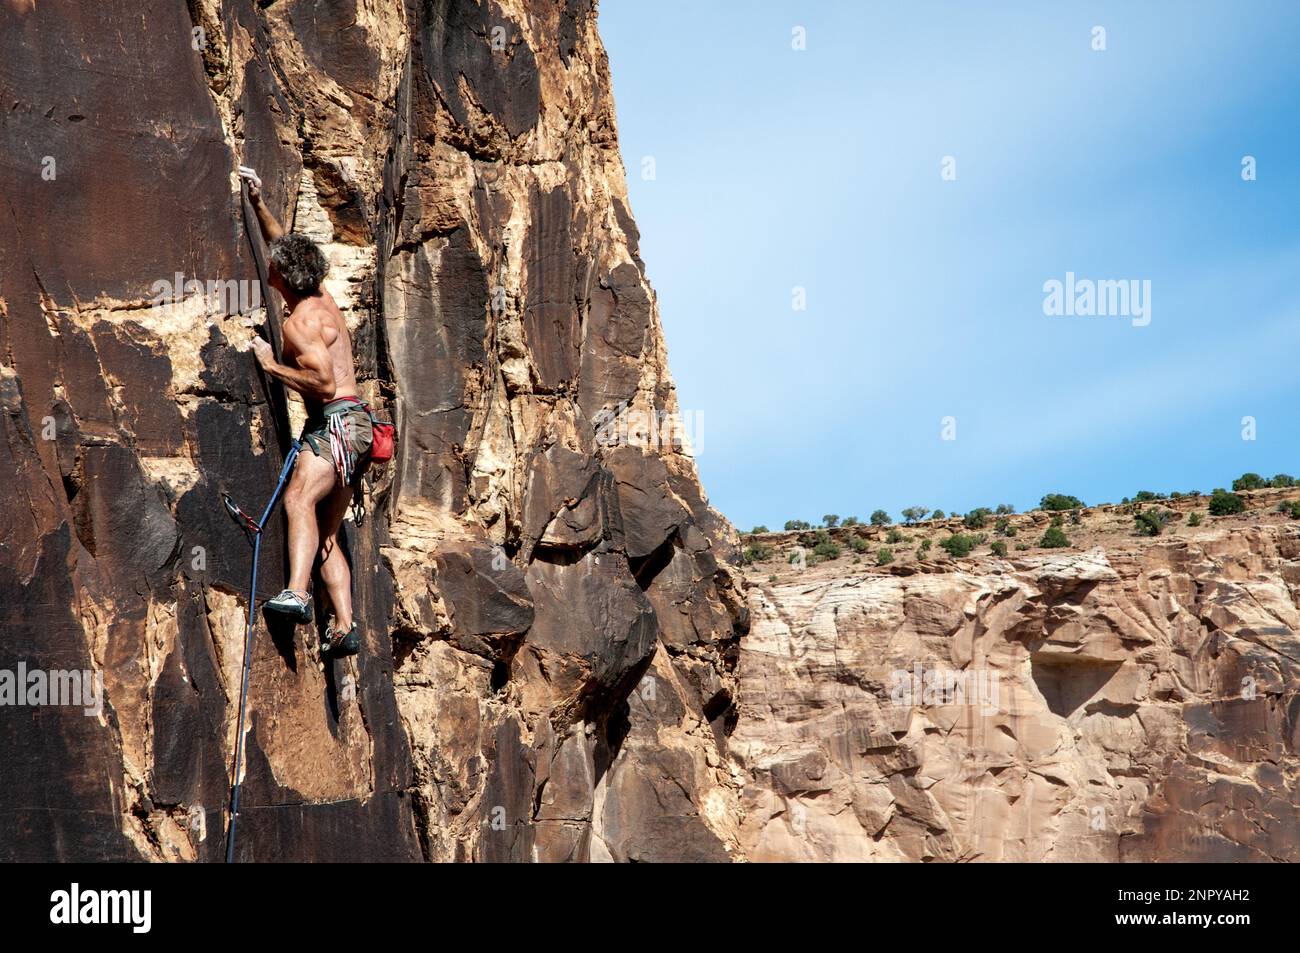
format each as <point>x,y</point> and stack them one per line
<point>334,570</point>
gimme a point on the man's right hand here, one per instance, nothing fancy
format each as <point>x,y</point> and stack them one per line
<point>250,177</point>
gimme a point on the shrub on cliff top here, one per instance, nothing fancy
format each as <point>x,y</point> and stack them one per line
<point>1054,538</point>
<point>827,550</point>
<point>1223,503</point>
<point>958,545</point>
<point>814,538</point>
<point>1060,501</point>
<point>1151,521</point>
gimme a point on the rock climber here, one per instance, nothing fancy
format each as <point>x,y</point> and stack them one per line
<point>317,363</point>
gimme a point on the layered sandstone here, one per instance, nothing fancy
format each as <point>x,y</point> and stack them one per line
<point>1133,701</point>
<point>550,617</point>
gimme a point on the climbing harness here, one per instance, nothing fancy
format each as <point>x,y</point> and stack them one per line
<point>353,472</point>
<point>331,435</point>
<point>253,531</point>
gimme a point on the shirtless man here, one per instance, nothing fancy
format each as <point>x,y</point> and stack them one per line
<point>317,355</point>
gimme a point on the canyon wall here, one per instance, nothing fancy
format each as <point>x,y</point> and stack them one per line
<point>1133,702</point>
<point>550,618</point>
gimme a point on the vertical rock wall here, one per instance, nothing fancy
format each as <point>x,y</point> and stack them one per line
<point>551,620</point>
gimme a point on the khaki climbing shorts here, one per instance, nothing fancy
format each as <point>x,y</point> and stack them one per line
<point>340,432</point>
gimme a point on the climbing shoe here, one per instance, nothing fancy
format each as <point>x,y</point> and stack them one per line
<point>289,603</point>
<point>339,644</point>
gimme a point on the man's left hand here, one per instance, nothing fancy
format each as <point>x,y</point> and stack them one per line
<point>250,176</point>
<point>262,351</point>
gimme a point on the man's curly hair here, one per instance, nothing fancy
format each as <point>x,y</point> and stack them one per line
<point>300,263</point>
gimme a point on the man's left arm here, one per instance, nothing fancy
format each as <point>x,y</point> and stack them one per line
<point>314,375</point>
<point>271,229</point>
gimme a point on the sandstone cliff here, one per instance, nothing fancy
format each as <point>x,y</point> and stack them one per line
<point>554,666</point>
<point>1137,700</point>
<point>551,622</point>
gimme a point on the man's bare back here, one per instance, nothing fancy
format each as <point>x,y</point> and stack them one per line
<point>318,319</point>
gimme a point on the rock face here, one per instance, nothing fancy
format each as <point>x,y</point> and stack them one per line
<point>553,665</point>
<point>1134,704</point>
<point>551,621</point>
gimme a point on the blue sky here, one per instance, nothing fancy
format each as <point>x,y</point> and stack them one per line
<point>820,169</point>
